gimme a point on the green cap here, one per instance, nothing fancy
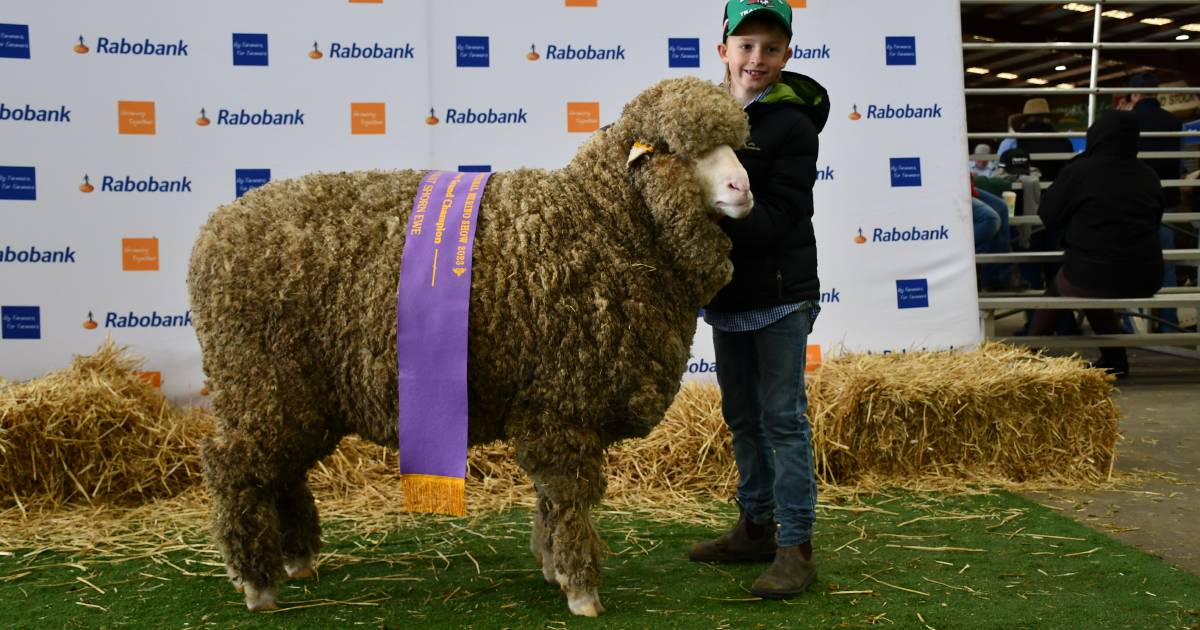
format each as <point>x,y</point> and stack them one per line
<point>737,10</point>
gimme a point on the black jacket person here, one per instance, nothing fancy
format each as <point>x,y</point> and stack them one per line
<point>1108,206</point>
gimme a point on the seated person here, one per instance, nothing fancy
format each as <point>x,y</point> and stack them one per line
<point>1106,207</point>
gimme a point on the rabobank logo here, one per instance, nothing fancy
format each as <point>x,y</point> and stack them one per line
<point>247,179</point>
<point>363,51</point>
<point>20,322</point>
<point>137,46</point>
<point>14,41</point>
<point>912,293</point>
<point>831,296</point>
<point>139,184</point>
<point>900,51</point>
<point>139,319</point>
<point>241,117</point>
<point>472,51</point>
<point>251,49</point>
<point>905,172</point>
<point>473,116</point>
<point>913,234</point>
<point>702,366</point>
<point>582,52</point>
<point>18,183</point>
<point>811,52</point>
<point>683,52</point>
<point>34,255</point>
<point>825,173</point>
<point>887,111</point>
<point>28,113</point>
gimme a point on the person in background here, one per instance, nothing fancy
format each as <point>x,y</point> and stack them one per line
<point>1036,117</point>
<point>983,167</point>
<point>1152,117</point>
<point>1107,205</point>
<point>761,320</point>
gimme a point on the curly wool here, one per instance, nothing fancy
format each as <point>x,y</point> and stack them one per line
<point>584,292</point>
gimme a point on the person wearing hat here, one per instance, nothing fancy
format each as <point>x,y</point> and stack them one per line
<point>1152,117</point>
<point>761,320</point>
<point>1036,117</point>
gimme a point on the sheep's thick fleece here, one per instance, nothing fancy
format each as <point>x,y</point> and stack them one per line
<point>584,293</point>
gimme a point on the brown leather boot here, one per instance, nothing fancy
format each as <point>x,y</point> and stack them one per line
<point>746,542</point>
<point>790,575</point>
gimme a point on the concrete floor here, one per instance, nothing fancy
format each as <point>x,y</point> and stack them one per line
<point>1160,405</point>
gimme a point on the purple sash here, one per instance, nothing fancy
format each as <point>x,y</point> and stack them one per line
<point>431,340</point>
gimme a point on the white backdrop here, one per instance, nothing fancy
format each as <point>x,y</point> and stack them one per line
<point>354,84</point>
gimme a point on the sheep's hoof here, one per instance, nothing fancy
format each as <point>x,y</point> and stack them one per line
<point>260,599</point>
<point>300,570</point>
<point>585,603</point>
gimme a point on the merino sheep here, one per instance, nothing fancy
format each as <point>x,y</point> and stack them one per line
<point>584,295</point>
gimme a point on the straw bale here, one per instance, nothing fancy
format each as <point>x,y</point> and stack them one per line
<point>95,431</point>
<point>998,415</point>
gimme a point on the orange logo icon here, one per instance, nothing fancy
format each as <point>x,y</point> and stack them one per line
<point>812,357</point>
<point>854,115</point>
<point>432,119</point>
<point>532,55</point>
<point>139,254</point>
<point>203,120</point>
<point>581,3</point>
<point>860,239</point>
<point>154,379</point>
<point>315,53</point>
<point>368,118</point>
<point>583,117</point>
<point>86,186</point>
<point>136,117</point>
<point>81,47</point>
<point>90,324</point>
<point>798,4</point>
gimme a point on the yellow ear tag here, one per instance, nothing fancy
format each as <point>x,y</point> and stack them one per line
<point>638,150</point>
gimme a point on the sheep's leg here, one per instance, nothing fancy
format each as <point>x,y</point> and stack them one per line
<point>301,530</point>
<point>567,465</point>
<point>245,521</point>
<point>541,543</point>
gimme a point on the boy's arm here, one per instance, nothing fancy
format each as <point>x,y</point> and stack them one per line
<point>787,197</point>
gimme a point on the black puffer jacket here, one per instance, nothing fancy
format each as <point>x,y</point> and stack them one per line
<point>774,250</point>
<point>1108,206</point>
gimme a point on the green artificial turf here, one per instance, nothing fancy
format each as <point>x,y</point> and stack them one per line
<point>902,561</point>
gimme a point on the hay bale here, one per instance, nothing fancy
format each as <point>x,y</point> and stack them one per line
<point>95,431</point>
<point>998,413</point>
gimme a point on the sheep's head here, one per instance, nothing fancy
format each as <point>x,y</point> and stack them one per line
<point>700,123</point>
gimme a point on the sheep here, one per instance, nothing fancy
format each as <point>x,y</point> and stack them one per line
<point>584,295</point>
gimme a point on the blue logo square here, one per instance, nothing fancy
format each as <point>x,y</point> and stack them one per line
<point>475,168</point>
<point>683,52</point>
<point>901,51</point>
<point>20,322</point>
<point>472,52</point>
<point>912,293</point>
<point>906,171</point>
<point>18,183</point>
<point>247,179</point>
<point>14,41</point>
<point>250,49</point>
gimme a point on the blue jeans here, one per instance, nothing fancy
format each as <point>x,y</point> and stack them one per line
<point>996,275</point>
<point>987,224</point>
<point>761,374</point>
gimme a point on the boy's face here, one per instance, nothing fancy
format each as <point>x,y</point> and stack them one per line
<point>756,55</point>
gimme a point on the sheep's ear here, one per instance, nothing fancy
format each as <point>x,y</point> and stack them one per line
<point>638,150</point>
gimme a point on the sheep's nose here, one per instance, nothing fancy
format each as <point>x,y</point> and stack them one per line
<point>738,185</point>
